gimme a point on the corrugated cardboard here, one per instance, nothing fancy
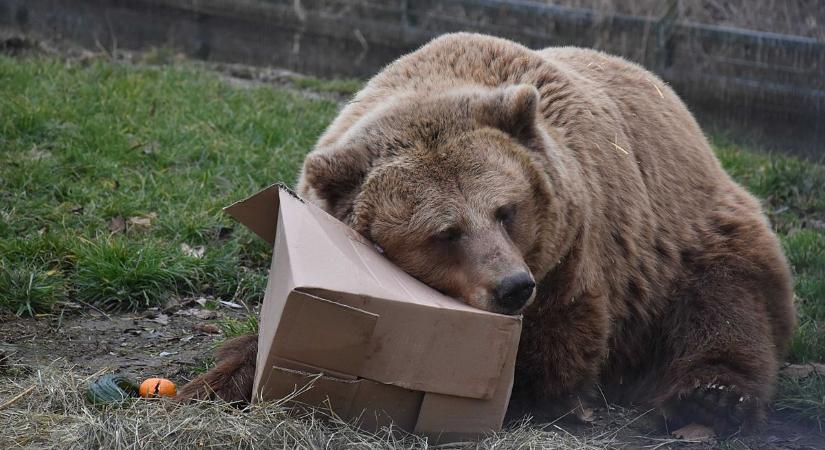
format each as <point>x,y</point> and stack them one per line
<point>386,344</point>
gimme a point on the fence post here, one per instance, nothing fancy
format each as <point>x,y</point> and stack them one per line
<point>658,54</point>
<point>405,21</point>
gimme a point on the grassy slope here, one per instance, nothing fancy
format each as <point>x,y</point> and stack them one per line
<point>84,145</point>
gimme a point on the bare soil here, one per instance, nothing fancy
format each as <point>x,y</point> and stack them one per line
<point>172,343</point>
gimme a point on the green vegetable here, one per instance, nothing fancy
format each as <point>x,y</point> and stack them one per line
<point>111,388</point>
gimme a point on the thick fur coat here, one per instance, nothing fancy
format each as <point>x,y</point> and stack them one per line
<point>475,158</point>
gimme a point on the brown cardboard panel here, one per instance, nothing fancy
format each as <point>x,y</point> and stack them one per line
<point>378,404</point>
<point>278,286</point>
<point>434,350</point>
<point>302,367</point>
<point>446,418</point>
<point>306,328</point>
<point>370,404</point>
<point>324,333</point>
<point>258,212</point>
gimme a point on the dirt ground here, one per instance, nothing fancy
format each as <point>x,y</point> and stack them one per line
<point>174,343</point>
<point>177,342</point>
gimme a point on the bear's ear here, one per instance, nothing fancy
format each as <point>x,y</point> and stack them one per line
<point>334,175</point>
<point>512,109</point>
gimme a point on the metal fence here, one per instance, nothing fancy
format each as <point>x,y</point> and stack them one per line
<point>770,87</point>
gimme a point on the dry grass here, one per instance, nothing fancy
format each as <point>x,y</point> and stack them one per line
<point>56,415</point>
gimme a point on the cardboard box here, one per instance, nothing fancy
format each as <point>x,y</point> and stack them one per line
<point>351,331</point>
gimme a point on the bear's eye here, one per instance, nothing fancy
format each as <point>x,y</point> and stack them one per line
<point>451,234</point>
<point>505,214</point>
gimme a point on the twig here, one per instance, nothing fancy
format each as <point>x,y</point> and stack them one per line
<point>94,308</point>
<point>17,397</point>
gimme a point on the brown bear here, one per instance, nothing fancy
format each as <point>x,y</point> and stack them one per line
<point>574,188</point>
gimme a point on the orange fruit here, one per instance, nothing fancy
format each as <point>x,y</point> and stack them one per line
<point>157,387</point>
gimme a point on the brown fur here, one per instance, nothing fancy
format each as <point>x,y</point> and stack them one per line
<point>474,158</point>
<point>232,377</point>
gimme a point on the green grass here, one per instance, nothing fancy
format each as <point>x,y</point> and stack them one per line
<point>235,327</point>
<point>82,147</point>
<point>803,399</point>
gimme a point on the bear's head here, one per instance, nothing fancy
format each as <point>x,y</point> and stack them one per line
<point>450,186</point>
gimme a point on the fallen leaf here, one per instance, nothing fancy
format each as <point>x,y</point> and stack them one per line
<point>117,224</point>
<point>162,319</point>
<point>37,154</point>
<point>205,314</point>
<point>694,432</point>
<point>192,252</point>
<point>171,305</point>
<point>144,221</point>
<point>207,328</point>
<point>151,148</point>
<point>230,304</point>
<point>201,301</point>
<point>110,184</point>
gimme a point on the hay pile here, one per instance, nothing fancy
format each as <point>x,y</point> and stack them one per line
<point>52,412</point>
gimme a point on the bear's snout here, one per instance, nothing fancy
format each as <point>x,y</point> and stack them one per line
<point>514,291</point>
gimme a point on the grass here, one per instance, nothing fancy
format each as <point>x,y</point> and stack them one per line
<point>107,171</point>
<point>803,398</point>
<point>232,327</point>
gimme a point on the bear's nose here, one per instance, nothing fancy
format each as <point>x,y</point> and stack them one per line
<point>514,291</point>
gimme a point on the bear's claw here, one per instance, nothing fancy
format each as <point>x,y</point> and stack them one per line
<point>721,406</point>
